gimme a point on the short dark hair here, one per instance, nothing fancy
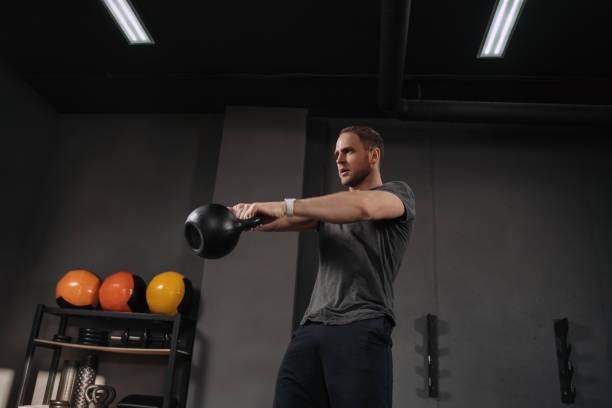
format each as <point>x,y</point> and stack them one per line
<point>369,137</point>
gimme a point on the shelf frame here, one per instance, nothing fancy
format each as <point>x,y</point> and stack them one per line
<point>120,350</point>
<point>177,322</point>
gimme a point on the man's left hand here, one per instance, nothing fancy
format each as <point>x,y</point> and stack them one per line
<point>270,211</point>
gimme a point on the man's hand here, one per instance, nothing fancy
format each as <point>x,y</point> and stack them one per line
<point>270,211</point>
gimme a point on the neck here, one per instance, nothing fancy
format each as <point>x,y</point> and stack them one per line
<point>372,180</point>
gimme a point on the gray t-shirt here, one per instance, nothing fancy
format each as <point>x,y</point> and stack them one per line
<point>358,263</point>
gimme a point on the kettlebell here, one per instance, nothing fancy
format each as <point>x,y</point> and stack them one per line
<point>212,231</point>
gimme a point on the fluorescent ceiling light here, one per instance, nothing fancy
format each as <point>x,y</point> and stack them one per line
<point>125,15</point>
<point>501,26</point>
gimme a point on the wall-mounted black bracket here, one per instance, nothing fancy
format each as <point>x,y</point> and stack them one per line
<point>432,356</point>
<point>566,368</point>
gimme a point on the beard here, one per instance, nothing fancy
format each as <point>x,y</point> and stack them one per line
<point>355,178</point>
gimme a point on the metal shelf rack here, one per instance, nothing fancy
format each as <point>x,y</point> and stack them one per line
<point>181,325</point>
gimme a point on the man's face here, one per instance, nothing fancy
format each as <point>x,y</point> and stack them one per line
<point>352,159</point>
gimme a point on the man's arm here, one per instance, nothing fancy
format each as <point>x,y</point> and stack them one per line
<point>350,206</point>
<point>338,208</point>
<point>281,223</point>
<point>295,223</point>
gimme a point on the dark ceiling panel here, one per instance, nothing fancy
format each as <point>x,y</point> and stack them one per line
<point>313,54</point>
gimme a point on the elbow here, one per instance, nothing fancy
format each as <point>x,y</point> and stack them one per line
<point>366,213</point>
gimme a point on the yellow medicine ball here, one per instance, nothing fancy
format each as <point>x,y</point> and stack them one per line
<point>169,293</point>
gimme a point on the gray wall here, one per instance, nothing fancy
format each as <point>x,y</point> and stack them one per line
<point>116,198</point>
<point>512,232</point>
<point>247,297</point>
<point>28,128</point>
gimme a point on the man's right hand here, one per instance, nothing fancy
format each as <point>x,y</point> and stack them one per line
<point>239,210</point>
<point>294,223</point>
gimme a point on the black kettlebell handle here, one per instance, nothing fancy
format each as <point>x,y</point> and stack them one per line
<point>249,222</point>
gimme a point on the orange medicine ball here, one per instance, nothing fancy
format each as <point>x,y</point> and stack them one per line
<point>78,289</point>
<point>123,292</point>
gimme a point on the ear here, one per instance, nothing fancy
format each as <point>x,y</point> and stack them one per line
<point>375,155</point>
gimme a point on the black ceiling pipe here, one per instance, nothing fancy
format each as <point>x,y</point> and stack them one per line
<point>394,18</point>
<point>504,112</point>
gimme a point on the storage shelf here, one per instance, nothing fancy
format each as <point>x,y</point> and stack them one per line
<point>117,315</point>
<point>180,328</point>
<point>121,350</point>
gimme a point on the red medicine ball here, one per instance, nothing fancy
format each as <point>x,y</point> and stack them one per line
<point>123,292</point>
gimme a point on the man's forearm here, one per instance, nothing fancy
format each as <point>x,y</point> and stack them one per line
<point>295,223</point>
<point>338,208</point>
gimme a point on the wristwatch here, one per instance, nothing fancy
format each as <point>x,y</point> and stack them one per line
<point>289,204</point>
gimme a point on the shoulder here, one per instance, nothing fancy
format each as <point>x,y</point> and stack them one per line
<point>397,186</point>
<point>403,191</point>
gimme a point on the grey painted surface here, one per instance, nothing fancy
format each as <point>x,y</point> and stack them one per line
<point>28,127</point>
<point>512,232</point>
<point>116,199</point>
<point>514,253</point>
<point>315,169</point>
<point>247,297</point>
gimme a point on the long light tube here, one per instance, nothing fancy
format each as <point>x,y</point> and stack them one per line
<point>500,28</point>
<point>126,17</point>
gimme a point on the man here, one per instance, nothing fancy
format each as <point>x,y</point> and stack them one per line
<point>340,355</point>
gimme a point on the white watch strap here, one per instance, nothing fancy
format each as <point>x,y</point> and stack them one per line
<point>289,204</point>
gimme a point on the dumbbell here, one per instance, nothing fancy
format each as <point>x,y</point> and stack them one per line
<point>124,338</point>
<point>146,340</point>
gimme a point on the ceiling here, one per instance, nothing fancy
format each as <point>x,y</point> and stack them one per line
<point>322,55</point>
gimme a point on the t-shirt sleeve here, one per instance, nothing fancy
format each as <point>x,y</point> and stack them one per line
<point>403,191</point>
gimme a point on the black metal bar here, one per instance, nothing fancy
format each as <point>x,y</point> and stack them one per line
<point>503,112</point>
<point>187,362</point>
<point>172,362</point>
<point>62,326</point>
<point>566,369</point>
<point>192,327</point>
<point>432,356</point>
<point>112,315</point>
<point>51,377</point>
<point>55,362</point>
<point>394,18</point>
<point>30,354</point>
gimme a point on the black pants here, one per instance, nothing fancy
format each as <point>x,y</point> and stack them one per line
<point>341,366</point>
